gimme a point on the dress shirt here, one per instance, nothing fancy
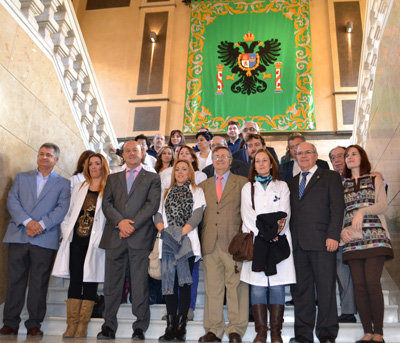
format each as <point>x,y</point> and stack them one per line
<point>127,172</point>
<point>224,179</point>
<point>40,183</point>
<point>309,176</point>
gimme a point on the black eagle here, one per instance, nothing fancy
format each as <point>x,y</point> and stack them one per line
<point>249,82</point>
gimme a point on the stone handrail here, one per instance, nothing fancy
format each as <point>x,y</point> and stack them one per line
<point>53,26</point>
<point>375,21</point>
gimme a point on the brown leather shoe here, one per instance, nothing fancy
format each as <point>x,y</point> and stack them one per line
<point>34,332</point>
<point>209,337</point>
<point>6,330</point>
<point>234,338</point>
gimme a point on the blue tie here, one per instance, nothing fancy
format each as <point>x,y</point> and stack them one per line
<point>131,178</point>
<point>303,183</point>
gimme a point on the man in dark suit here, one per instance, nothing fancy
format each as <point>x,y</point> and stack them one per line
<point>291,168</point>
<point>37,202</point>
<point>253,142</point>
<point>237,167</point>
<point>130,200</point>
<point>317,205</point>
<point>250,128</point>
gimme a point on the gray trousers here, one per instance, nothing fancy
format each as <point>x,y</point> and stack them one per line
<point>345,283</point>
<point>115,268</point>
<point>31,263</point>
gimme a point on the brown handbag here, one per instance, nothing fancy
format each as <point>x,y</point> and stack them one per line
<point>241,247</point>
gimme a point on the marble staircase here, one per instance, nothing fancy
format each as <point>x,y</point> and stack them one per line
<point>54,323</point>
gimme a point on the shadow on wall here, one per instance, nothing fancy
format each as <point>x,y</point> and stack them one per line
<point>5,185</point>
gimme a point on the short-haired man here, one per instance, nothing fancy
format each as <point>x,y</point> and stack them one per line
<point>158,143</point>
<point>37,202</point>
<point>147,159</point>
<point>233,134</point>
<point>291,168</point>
<point>221,222</point>
<point>237,167</point>
<point>250,129</point>
<point>317,206</point>
<point>131,198</point>
<point>345,282</point>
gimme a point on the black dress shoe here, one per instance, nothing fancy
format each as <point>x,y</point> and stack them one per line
<point>327,340</point>
<point>373,341</point>
<point>347,318</point>
<point>138,335</point>
<point>106,333</point>
<point>297,340</point>
<point>290,303</point>
<point>363,341</point>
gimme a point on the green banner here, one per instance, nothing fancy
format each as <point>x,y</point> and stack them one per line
<point>249,60</point>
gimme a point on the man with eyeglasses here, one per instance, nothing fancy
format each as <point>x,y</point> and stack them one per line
<point>254,142</point>
<point>237,167</point>
<point>221,222</point>
<point>291,168</point>
<point>317,207</point>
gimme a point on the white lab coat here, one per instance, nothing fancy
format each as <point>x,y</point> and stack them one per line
<point>93,269</point>
<point>275,198</point>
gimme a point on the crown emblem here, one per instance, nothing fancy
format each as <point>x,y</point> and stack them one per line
<point>249,37</point>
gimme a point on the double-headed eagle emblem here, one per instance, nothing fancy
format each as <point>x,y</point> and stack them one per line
<point>247,63</point>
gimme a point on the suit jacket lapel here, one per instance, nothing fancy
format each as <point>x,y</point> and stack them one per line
<point>296,189</point>
<point>316,176</point>
<point>228,187</point>
<point>138,180</point>
<point>50,182</point>
<point>33,186</point>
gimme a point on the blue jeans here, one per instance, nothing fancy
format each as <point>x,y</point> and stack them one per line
<point>272,295</point>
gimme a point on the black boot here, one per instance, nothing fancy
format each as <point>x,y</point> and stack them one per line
<point>170,330</point>
<point>181,328</point>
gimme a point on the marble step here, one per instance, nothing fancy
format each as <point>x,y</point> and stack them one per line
<point>347,333</point>
<point>57,294</point>
<point>58,309</point>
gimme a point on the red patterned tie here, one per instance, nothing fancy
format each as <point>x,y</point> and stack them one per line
<point>219,188</point>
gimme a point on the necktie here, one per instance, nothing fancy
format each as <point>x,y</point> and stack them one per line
<point>303,183</point>
<point>219,188</point>
<point>131,178</point>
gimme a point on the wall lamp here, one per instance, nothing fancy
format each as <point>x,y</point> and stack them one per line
<point>153,37</point>
<point>349,27</point>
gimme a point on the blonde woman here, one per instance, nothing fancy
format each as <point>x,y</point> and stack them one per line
<point>79,257</point>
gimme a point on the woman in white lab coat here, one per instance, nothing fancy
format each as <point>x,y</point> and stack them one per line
<point>270,195</point>
<point>79,257</point>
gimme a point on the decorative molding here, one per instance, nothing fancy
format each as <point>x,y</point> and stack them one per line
<point>53,26</point>
<point>378,12</point>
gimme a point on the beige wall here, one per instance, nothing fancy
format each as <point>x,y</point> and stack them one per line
<point>113,39</point>
<point>33,109</point>
<point>383,140</point>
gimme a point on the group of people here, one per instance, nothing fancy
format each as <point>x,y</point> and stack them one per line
<point>311,227</point>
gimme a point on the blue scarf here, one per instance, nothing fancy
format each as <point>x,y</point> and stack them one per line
<point>264,180</point>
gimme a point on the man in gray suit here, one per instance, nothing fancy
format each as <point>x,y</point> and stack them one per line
<point>131,198</point>
<point>37,202</point>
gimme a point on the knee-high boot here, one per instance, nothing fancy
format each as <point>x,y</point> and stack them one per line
<point>181,328</point>
<point>276,320</point>
<point>260,314</point>
<point>170,331</point>
<point>73,310</point>
<point>84,318</point>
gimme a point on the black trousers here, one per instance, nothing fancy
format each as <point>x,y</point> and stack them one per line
<point>33,263</point>
<point>315,272</point>
<point>181,296</point>
<point>77,288</point>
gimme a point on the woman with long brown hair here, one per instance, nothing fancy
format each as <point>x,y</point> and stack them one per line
<point>365,239</point>
<point>79,257</point>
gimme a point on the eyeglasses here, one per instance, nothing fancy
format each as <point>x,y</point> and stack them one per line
<point>220,157</point>
<point>307,152</point>
<point>251,129</point>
